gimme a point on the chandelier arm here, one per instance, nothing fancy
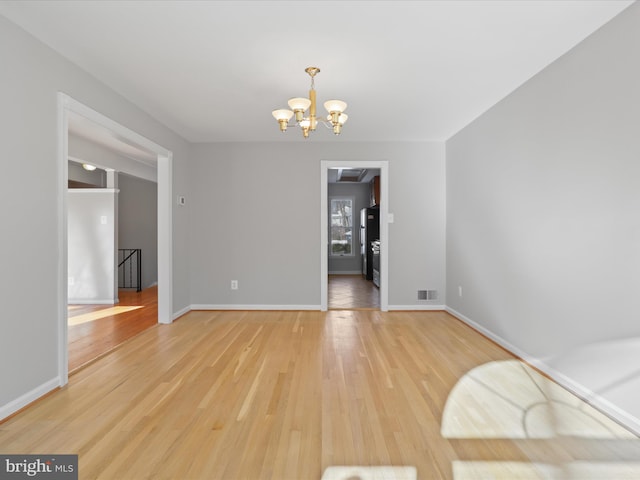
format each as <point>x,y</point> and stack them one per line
<point>295,123</point>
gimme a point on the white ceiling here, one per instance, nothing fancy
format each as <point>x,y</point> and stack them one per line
<point>410,70</point>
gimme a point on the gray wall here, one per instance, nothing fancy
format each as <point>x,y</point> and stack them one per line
<point>138,222</point>
<point>543,223</point>
<point>256,219</point>
<point>91,245</point>
<point>32,75</point>
<point>361,192</point>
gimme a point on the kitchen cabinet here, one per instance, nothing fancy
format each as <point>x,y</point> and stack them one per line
<point>375,191</point>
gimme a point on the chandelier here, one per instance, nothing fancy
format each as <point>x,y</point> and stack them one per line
<point>299,106</point>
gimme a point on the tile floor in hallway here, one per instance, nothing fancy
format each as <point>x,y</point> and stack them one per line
<point>352,291</point>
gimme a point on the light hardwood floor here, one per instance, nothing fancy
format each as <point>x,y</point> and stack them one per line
<point>95,330</point>
<point>285,395</point>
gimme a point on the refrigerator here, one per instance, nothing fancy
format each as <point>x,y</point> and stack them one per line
<point>369,232</point>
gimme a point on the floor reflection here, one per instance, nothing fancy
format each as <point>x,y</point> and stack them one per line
<point>510,400</point>
<point>369,473</point>
<point>535,471</point>
<point>105,312</point>
<point>610,369</point>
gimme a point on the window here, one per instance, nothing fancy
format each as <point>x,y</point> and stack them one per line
<point>341,226</point>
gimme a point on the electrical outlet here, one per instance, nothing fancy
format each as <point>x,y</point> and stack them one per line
<point>234,284</point>
<point>459,291</point>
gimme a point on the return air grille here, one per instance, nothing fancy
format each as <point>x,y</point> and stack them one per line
<point>427,294</point>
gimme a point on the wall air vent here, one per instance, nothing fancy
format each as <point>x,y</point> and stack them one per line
<point>427,294</point>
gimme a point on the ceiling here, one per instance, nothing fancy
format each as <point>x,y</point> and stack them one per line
<point>351,174</point>
<point>213,71</point>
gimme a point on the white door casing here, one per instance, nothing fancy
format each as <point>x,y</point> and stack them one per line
<point>66,105</point>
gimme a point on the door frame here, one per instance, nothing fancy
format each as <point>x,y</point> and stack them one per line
<point>383,165</point>
<point>66,104</point>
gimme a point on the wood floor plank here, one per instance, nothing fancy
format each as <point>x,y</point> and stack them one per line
<point>284,395</point>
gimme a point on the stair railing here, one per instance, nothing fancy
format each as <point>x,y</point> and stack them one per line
<point>130,266</point>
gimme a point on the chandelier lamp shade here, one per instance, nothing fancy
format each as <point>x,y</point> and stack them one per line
<point>303,110</point>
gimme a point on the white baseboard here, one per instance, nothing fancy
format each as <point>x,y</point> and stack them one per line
<point>496,338</point>
<point>254,307</point>
<point>417,307</point>
<point>182,311</point>
<point>294,307</point>
<point>592,398</point>
<point>587,395</point>
<point>24,400</point>
<point>99,301</point>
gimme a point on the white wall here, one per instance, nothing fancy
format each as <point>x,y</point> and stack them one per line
<point>91,245</point>
<point>256,219</point>
<point>32,76</point>
<point>543,222</point>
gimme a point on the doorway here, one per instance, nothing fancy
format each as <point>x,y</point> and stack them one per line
<point>326,166</point>
<point>109,301</point>
<point>67,106</point>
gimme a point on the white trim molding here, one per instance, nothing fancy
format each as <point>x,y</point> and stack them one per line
<point>417,307</point>
<point>182,312</point>
<point>255,307</point>
<point>29,397</point>
<point>93,190</point>
<point>91,301</point>
<point>66,106</point>
<point>63,277</point>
